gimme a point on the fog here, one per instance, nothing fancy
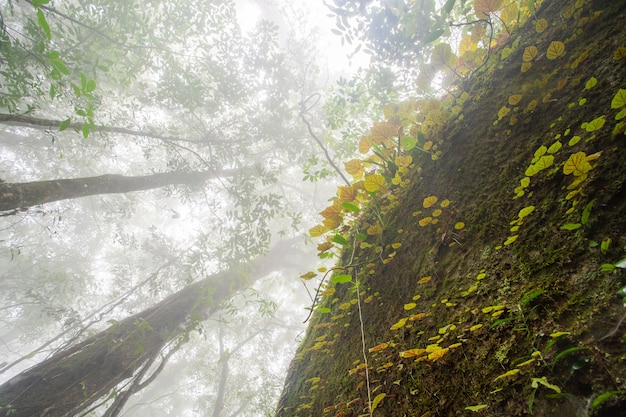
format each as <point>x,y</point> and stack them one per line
<point>153,88</point>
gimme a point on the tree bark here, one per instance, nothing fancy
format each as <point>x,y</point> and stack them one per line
<point>49,124</point>
<point>71,380</point>
<point>28,194</point>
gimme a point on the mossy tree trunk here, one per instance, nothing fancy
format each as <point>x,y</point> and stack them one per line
<point>23,195</point>
<point>520,304</point>
<point>73,379</point>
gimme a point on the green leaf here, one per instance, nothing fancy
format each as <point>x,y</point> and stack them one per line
<point>341,240</point>
<point>83,80</point>
<point>586,212</point>
<point>43,23</point>
<point>351,207</point>
<point>433,36</point>
<point>501,321</point>
<point>476,408</point>
<point>448,6</point>
<point>377,400</point>
<point>39,3</point>
<point>341,279</point>
<point>543,381</point>
<point>607,267</point>
<point>603,397</point>
<point>91,85</point>
<point>571,226</point>
<point>324,310</point>
<point>85,130</point>
<point>64,124</point>
<point>530,296</point>
<point>569,351</point>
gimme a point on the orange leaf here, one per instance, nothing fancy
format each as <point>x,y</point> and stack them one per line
<point>484,7</point>
<point>346,194</point>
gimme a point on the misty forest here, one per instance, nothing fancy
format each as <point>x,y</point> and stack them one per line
<point>311,208</point>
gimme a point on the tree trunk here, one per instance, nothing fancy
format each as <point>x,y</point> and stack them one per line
<point>28,194</point>
<point>71,380</point>
<point>512,304</point>
<point>48,124</point>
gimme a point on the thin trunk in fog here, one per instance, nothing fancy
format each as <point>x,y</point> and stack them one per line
<point>49,124</point>
<point>73,379</point>
<point>28,194</point>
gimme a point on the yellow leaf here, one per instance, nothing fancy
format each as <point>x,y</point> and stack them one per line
<point>475,327</point>
<point>506,374</point>
<point>555,147</point>
<point>595,124</point>
<point>428,145</point>
<point>528,362</point>
<point>437,212</point>
<point>418,316</point>
<point>591,83</point>
<point>374,182</point>
<point>332,222</point>
<point>328,292</point>
<point>503,112</point>
<point>543,163</point>
<point>404,161</point>
<point>354,167</point>
<point>437,354</point>
<point>577,164</point>
<point>400,324</point>
<point>412,353</point>
<point>375,230</point>
<point>459,225</point>
<point>429,201</point>
<point>540,152</point>
<point>530,52</point>
<point>514,99</point>
<point>445,203</point>
<point>383,132</point>
<point>410,306</point>
<point>318,230</point>
<point>620,53</point>
<point>619,100</point>
<point>593,156</point>
<point>425,221</point>
<point>526,66</point>
<point>309,275</point>
<point>323,247</point>
<point>559,334</point>
<point>380,347</point>
<point>525,182</point>
<point>443,56</point>
<point>424,280</point>
<point>476,407</point>
<point>541,25</point>
<point>377,400</point>
<point>510,240</point>
<point>525,211</point>
<point>555,50</point>
<point>365,144</point>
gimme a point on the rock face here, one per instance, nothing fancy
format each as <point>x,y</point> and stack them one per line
<point>503,300</point>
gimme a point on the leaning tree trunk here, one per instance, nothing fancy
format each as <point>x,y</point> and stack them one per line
<point>28,194</point>
<point>73,379</point>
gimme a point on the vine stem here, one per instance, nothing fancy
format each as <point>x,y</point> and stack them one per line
<point>303,111</point>
<point>363,344</point>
